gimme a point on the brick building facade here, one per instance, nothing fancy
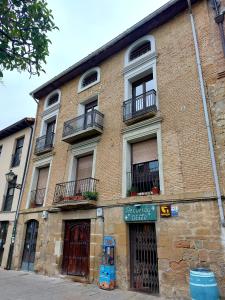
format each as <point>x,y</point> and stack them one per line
<point>122,128</point>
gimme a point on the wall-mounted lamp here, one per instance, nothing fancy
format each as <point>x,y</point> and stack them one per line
<point>10,177</point>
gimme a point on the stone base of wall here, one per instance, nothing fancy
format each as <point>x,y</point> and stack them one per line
<point>193,239</point>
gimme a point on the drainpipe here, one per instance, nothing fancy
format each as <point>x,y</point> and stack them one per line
<point>206,114</point>
<point>219,18</point>
<point>11,247</point>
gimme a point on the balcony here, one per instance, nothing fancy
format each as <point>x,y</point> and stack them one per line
<point>77,193</point>
<point>85,126</point>
<point>140,107</point>
<point>44,144</point>
<point>37,198</point>
<point>143,183</point>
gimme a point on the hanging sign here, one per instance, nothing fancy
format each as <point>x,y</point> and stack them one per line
<point>165,211</point>
<point>140,213</point>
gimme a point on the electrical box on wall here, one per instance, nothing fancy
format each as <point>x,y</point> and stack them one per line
<point>99,212</point>
<point>44,214</point>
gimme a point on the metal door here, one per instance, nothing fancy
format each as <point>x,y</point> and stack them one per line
<point>3,234</point>
<point>143,258</point>
<point>76,248</point>
<point>30,246</point>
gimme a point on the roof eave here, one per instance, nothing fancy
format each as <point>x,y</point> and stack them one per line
<point>155,19</point>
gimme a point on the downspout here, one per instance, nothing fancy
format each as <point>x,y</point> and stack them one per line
<point>206,114</point>
<point>13,237</point>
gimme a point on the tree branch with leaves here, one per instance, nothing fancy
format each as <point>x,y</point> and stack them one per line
<point>24,44</point>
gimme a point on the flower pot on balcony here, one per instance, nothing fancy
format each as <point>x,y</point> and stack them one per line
<point>133,194</point>
<point>155,190</point>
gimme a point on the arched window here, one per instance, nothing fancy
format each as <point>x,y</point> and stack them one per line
<point>88,79</point>
<point>52,99</point>
<point>144,47</point>
<point>140,50</point>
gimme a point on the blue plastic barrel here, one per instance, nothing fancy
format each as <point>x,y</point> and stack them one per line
<point>203,285</point>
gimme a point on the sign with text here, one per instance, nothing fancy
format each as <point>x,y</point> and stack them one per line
<point>174,211</point>
<point>165,211</point>
<point>140,213</point>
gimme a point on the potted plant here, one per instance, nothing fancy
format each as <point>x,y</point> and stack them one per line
<point>133,191</point>
<point>91,195</point>
<point>155,188</point>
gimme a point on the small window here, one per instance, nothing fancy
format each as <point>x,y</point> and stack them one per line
<point>53,99</point>
<point>18,152</point>
<point>0,150</point>
<point>140,50</point>
<point>90,79</point>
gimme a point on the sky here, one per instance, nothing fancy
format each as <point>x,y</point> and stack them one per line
<point>84,26</point>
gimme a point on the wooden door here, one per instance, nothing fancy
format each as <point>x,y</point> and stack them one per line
<point>3,235</point>
<point>30,246</point>
<point>143,258</point>
<point>76,249</point>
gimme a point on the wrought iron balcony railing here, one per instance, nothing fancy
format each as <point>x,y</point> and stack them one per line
<point>89,120</point>
<point>44,143</point>
<point>76,190</point>
<point>143,182</point>
<point>139,106</point>
<point>37,197</point>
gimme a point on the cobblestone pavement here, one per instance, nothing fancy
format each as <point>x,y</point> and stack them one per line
<point>17,285</point>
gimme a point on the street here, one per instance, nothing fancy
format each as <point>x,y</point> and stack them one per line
<point>17,285</point>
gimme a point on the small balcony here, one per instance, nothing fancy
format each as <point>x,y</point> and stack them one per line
<point>143,183</point>
<point>140,107</point>
<point>37,198</point>
<point>85,126</point>
<point>44,144</point>
<point>77,193</point>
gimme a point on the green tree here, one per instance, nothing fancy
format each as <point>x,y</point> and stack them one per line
<point>24,25</point>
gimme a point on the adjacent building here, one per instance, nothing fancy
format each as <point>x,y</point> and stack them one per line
<point>15,143</point>
<point>121,148</point>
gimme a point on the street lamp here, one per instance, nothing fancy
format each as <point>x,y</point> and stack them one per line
<point>10,177</point>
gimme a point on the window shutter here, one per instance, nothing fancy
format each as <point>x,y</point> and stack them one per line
<point>84,167</point>
<point>144,151</point>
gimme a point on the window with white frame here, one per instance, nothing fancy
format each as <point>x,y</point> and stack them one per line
<point>142,161</point>
<point>140,85</point>
<point>142,48</point>
<point>39,190</point>
<point>88,79</point>
<point>52,99</point>
<point>39,183</point>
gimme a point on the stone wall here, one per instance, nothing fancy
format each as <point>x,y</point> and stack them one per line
<point>193,239</point>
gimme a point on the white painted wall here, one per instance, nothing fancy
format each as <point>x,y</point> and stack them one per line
<point>8,146</point>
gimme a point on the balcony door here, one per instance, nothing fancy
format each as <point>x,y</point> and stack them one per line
<point>84,173</point>
<point>141,94</point>
<point>50,130</point>
<point>89,114</point>
<point>41,186</point>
